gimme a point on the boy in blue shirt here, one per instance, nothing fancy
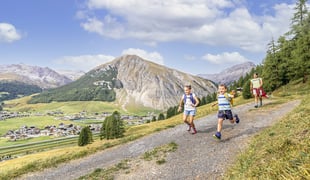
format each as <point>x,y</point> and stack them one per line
<point>224,105</point>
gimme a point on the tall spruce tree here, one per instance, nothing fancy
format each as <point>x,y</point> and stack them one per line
<point>112,127</point>
<point>85,137</point>
<point>300,33</point>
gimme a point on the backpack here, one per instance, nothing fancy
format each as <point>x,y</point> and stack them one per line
<point>191,98</point>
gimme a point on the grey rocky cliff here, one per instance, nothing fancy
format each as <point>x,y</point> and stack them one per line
<point>34,75</point>
<point>153,85</point>
<point>229,75</point>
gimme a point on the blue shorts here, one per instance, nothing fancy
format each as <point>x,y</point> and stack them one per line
<point>225,114</point>
<point>190,112</point>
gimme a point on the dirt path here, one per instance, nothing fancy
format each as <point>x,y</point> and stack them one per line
<point>197,157</point>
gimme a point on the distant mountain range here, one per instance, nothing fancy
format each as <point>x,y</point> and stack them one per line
<point>130,81</point>
<point>231,74</point>
<point>45,78</point>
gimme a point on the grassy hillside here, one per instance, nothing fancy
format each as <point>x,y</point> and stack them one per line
<point>83,89</point>
<point>284,149</point>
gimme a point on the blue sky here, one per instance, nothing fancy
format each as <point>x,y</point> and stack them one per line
<point>193,36</point>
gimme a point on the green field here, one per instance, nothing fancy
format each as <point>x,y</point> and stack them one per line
<point>37,121</point>
<point>20,105</point>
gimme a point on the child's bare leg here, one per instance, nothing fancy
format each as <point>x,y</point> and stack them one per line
<point>220,124</point>
<point>191,121</point>
<point>185,119</point>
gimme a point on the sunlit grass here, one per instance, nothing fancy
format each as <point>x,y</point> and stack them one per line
<point>283,150</point>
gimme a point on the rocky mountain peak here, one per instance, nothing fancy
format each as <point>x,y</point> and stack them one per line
<point>43,77</point>
<point>151,84</point>
<point>230,74</point>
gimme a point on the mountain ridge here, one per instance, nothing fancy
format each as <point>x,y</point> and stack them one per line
<point>231,74</point>
<point>43,77</point>
<point>132,81</point>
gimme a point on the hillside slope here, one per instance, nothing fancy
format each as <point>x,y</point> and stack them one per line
<point>132,82</point>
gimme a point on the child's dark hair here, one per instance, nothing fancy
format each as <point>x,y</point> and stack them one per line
<point>188,86</point>
<point>223,85</point>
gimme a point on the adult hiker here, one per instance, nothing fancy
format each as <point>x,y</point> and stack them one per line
<point>256,87</point>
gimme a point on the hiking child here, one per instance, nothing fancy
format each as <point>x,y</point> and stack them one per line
<point>224,109</point>
<point>190,102</point>
<point>256,87</point>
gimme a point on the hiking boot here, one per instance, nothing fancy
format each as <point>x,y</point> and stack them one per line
<point>194,131</point>
<point>237,118</point>
<point>217,135</point>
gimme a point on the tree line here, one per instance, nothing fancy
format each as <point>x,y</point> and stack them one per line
<point>287,58</point>
<point>14,89</point>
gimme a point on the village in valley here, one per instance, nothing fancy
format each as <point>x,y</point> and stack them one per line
<point>64,129</point>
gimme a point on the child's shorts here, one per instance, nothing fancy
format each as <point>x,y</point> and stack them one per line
<point>190,112</point>
<point>257,91</point>
<point>225,114</point>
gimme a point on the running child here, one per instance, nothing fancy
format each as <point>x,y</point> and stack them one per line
<point>224,106</point>
<point>190,102</point>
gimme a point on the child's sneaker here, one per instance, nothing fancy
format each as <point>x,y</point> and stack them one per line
<point>189,128</point>
<point>194,131</point>
<point>237,118</point>
<point>217,135</point>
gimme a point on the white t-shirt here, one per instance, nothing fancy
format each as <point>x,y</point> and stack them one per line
<point>189,105</point>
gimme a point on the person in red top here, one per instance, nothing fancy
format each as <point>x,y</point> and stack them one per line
<point>256,87</point>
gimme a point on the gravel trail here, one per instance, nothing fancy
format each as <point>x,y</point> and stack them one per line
<point>198,156</point>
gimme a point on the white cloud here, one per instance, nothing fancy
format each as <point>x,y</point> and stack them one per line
<point>84,62</point>
<point>107,27</point>
<point>8,33</point>
<point>226,57</point>
<point>151,56</point>
<point>210,22</point>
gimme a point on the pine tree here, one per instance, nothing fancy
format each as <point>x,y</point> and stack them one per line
<point>301,53</point>
<point>170,112</point>
<point>112,127</point>
<point>85,137</point>
<point>246,92</point>
<point>161,116</point>
<point>299,17</point>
